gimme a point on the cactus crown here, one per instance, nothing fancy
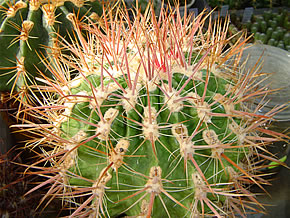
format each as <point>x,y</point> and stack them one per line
<point>148,118</point>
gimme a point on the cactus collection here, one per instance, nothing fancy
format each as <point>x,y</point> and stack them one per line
<point>246,3</point>
<point>27,28</point>
<point>148,117</point>
<point>272,29</point>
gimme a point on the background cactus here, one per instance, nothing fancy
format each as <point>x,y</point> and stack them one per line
<point>27,28</point>
<point>243,4</point>
<point>270,28</point>
<point>153,123</point>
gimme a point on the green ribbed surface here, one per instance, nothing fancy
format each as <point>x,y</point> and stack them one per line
<point>177,180</point>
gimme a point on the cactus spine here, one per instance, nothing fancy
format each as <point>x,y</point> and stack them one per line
<point>153,123</point>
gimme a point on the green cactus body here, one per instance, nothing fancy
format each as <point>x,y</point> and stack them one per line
<point>153,124</point>
<point>27,28</point>
<point>142,143</point>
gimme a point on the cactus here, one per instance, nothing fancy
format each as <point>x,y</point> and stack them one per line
<point>153,123</point>
<point>27,28</point>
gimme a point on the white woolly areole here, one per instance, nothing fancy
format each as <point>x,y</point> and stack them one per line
<point>116,156</point>
<point>76,82</point>
<point>240,132</point>
<point>136,66</point>
<point>104,128</point>
<point>199,186</point>
<point>99,96</point>
<point>150,129</point>
<point>12,10</point>
<point>69,104</point>
<point>188,71</point>
<point>215,70</point>
<point>154,183</point>
<point>129,101</point>
<point>211,138</point>
<point>99,186</point>
<point>232,173</point>
<point>225,102</point>
<point>172,99</point>
<point>88,70</point>
<point>203,108</point>
<point>49,14</point>
<point>98,191</point>
<point>180,132</point>
<point>81,97</point>
<point>71,155</point>
<point>150,85</point>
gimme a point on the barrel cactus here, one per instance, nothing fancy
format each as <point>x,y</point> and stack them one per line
<point>148,118</point>
<point>27,28</point>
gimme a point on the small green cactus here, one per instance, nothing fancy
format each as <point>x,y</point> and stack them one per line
<point>153,122</point>
<point>27,27</point>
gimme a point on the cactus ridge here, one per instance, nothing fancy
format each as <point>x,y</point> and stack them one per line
<point>154,122</point>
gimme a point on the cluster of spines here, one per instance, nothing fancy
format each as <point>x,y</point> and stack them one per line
<point>156,57</point>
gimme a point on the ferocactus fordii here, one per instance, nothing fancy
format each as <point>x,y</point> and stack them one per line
<point>148,118</point>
